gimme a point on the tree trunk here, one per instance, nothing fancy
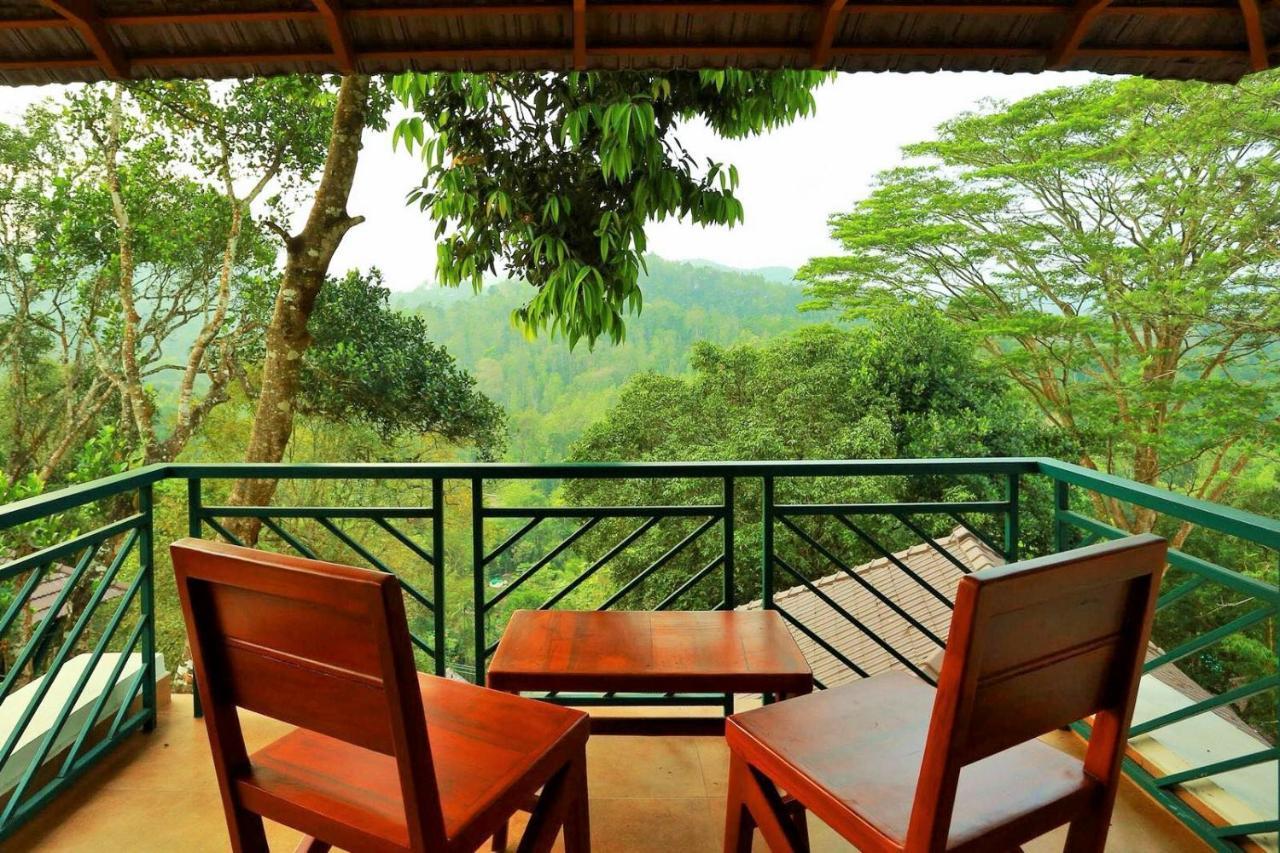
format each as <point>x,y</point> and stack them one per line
<point>307,264</point>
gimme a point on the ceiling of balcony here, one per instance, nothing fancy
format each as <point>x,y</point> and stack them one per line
<point>60,41</point>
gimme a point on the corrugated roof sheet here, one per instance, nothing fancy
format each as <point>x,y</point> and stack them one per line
<point>50,41</point>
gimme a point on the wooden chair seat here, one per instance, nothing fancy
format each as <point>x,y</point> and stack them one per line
<point>852,754</point>
<point>483,762</point>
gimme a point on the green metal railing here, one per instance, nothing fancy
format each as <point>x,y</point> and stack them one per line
<point>681,540</point>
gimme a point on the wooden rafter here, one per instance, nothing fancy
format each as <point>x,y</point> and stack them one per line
<point>828,23</point>
<point>1252,15</point>
<point>335,26</point>
<point>1084,14</point>
<point>580,34</point>
<point>81,15</point>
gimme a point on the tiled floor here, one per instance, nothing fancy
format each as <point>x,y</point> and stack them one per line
<point>647,794</point>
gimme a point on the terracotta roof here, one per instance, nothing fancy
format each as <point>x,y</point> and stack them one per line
<point>42,597</point>
<point>935,569</point>
<point>48,41</point>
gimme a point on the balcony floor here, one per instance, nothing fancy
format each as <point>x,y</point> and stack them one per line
<point>647,794</point>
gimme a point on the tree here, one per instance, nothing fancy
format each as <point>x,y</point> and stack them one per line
<point>113,251</point>
<point>556,175</point>
<point>357,105</point>
<point>1114,247</point>
<point>369,363</point>
<point>906,385</point>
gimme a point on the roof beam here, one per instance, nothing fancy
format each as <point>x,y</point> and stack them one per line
<point>580,35</point>
<point>1258,59</point>
<point>828,23</point>
<point>84,18</point>
<point>557,51</point>
<point>1084,14</point>
<point>335,26</point>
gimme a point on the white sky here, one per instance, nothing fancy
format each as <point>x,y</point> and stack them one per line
<point>791,180</point>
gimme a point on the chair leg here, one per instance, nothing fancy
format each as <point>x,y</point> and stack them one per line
<point>549,815</point>
<point>738,825</point>
<point>768,811</point>
<point>248,835</point>
<point>577,823</point>
<point>800,817</point>
<point>1088,832</point>
<point>500,838</point>
<point>311,845</point>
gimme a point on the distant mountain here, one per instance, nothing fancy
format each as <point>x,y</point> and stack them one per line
<point>550,393</point>
<point>780,275</point>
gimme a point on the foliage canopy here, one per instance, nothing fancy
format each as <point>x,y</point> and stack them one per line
<point>555,176</point>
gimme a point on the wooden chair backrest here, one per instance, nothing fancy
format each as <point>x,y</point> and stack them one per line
<point>321,646</point>
<point>1035,646</point>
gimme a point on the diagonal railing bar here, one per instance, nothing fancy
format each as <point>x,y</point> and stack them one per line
<point>100,703</point>
<point>422,644</point>
<point>906,522</point>
<point>1226,697</point>
<point>64,651</point>
<point>512,539</point>
<point>1262,756</point>
<point>600,563</point>
<point>977,532</point>
<point>37,638</point>
<point>893,558</point>
<point>1180,592</point>
<point>21,598</point>
<point>657,564</point>
<point>223,531</point>
<point>851,619</point>
<point>406,540</point>
<point>542,562</point>
<point>1207,639</point>
<point>365,554</point>
<point>691,583</point>
<point>1237,581</point>
<point>288,538</point>
<point>130,693</point>
<point>830,649</point>
<point>1240,830</point>
<point>71,547</point>
<point>64,713</point>
<point>861,581</point>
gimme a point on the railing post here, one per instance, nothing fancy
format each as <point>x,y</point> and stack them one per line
<point>1012,533</point>
<point>477,574</point>
<point>437,570</point>
<point>194,503</point>
<point>147,605</point>
<point>730,593</point>
<point>730,590</point>
<point>766,539</point>
<point>1061,504</point>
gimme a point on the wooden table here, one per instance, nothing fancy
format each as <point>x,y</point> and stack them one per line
<point>723,651</point>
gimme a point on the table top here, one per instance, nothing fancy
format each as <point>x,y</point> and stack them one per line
<point>679,651</point>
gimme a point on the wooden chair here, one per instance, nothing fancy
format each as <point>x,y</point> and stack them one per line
<point>893,765</point>
<point>385,758</point>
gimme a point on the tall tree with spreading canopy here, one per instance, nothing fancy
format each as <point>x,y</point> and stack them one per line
<point>554,177</point>
<point>1115,246</point>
